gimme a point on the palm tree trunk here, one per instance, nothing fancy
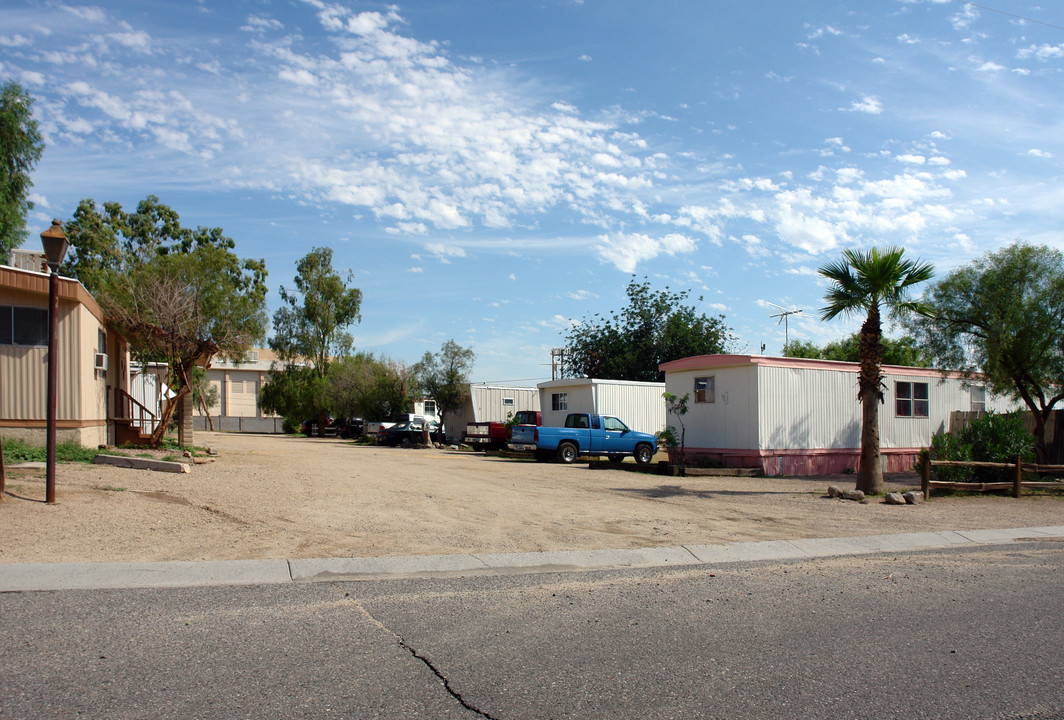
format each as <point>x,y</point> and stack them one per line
<point>870,477</point>
<point>870,392</point>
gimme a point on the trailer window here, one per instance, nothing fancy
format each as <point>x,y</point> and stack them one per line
<point>559,401</point>
<point>704,391</point>
<point>911,399</point>
<point>978,398</point>
<point>23,325</point>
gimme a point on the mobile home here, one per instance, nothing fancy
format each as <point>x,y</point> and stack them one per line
<point>795,416</point>
<point>639,405</point>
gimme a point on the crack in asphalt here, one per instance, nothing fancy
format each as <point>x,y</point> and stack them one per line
<point>414,653</point>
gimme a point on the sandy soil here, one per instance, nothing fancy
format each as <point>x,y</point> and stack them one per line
<point>279,497</point>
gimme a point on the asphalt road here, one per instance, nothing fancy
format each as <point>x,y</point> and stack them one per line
<point>967,633</point>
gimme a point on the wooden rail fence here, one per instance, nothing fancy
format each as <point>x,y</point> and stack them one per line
<point>1016,485</point>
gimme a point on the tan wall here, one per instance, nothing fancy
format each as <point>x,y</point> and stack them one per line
<point>81,396</point>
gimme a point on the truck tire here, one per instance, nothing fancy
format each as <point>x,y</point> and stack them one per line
<point>643,454</point>
<point>567,453</point>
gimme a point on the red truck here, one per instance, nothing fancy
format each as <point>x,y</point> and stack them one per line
<point>496,435</point>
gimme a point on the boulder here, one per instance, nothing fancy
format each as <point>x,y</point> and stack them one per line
<point>913,497</point>
<point>894,498</point>
<point>856,495</point>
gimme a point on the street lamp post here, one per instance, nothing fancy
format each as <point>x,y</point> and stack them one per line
<point>55,247</point>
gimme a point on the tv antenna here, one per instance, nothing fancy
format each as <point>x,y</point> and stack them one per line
<point>783,315</point>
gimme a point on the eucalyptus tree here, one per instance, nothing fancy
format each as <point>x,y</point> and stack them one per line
<point>1002,317</point>
<point>21,146</point>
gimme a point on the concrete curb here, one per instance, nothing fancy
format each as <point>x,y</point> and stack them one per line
<point>142,463</point>
<point>115,575</point>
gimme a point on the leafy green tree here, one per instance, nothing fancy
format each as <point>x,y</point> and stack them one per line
<point>656,327</point>
<point>868,282</point>
<point>295,392</point>
<point>178,295</point>
<point>369,387</point>
<point>1002,317</point>
<point>312,324</point>
<point>903,351</point>
<point>20,149</point>
<point>444,376</point>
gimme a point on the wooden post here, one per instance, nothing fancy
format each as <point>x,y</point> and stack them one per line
<point>925,473</point>
<point>1018,480</point>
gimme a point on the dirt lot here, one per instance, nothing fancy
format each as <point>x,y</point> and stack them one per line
<point>279,497</point>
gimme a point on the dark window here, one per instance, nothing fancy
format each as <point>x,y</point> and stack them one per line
<point>23,325</point>
<point>911,399</point>
<point>704,390</point>
<point>559,401</point>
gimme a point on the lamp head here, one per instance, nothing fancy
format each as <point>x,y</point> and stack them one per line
<point>55,245</point>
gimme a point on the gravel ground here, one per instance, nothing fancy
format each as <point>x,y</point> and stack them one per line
<point>282,497</point>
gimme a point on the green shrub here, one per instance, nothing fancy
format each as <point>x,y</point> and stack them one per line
<point>989,438</point>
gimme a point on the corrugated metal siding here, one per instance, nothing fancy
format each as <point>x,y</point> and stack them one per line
<point>487,405</point>
<point>640,406</point>
<point>24,375</point>
<point>803,408</point>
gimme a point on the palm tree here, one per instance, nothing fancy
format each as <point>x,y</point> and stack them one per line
<point>866,282</point>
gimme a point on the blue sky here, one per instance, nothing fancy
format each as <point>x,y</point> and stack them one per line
<point>492,170</point>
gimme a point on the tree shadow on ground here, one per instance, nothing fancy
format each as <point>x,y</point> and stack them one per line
<point>669,491</point>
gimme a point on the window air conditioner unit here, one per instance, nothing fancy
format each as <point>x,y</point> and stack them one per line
<point>101,361</point>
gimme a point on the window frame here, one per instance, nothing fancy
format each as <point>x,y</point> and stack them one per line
<point>11,333</point>
<point>559,402</point>
<point>708,392</point>
<point>912,399</point>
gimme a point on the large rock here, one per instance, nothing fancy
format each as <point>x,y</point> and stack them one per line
<point>834,491</point>
<point>894,499</point>
<point>856,495</point>
<point>914,496</point>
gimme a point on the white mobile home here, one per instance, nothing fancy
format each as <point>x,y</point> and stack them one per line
<point>793,416</point>
<point>639,405</point>
<point>490,403</point>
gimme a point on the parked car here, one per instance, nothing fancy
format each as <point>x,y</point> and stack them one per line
<point>586,434</point>
<point>407,433</point>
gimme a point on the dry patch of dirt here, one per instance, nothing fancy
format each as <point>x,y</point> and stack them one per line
<point>282,497</point>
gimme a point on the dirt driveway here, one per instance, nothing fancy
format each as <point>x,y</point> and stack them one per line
<point>280,497</point>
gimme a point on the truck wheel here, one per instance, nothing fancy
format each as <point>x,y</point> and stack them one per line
<point>643,454</point>
<point>567,453</point>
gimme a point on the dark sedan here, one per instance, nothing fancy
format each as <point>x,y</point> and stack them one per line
<point>406,433</point>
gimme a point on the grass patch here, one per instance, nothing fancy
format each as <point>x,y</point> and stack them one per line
<point>17,451</point>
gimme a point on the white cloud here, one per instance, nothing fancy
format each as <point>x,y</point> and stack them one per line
<point>1035,152</point>
<point>626,251</point>
<point>260,24</point>
<point>867,104</point>
<point>139,40</point>
<point>1042,52</point>
<point>88,14</point>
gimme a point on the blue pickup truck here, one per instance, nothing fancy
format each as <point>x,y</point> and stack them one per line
<point>585,434</point>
